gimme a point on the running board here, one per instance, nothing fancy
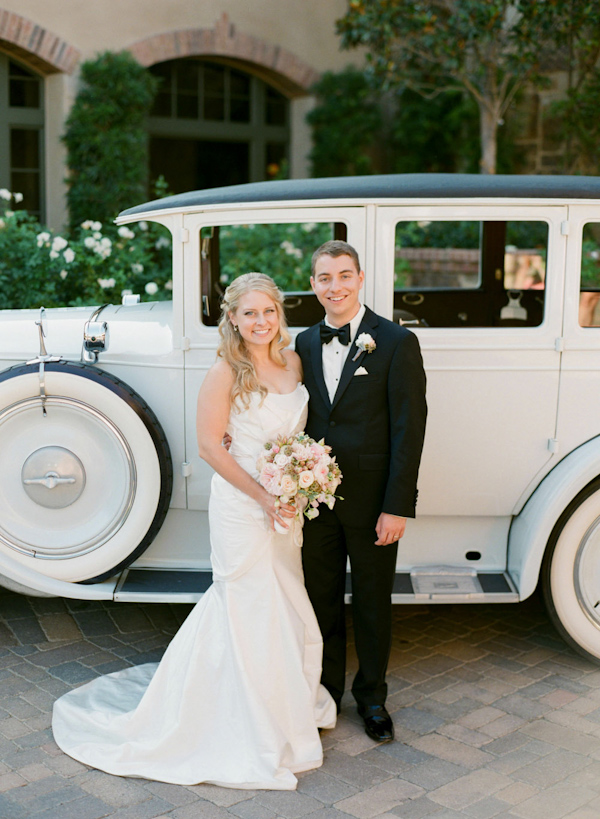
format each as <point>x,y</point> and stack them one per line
<point>424,585</point>
<point>162,585</point>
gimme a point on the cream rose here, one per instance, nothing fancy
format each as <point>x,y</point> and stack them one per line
<point>288,485</point>
<point>306,479</point>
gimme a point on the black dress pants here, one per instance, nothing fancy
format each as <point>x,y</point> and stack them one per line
<point>327,545</point>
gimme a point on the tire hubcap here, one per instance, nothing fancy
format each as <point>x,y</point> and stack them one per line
<point>53,477</point>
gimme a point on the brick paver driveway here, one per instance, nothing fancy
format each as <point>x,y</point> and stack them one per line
<point>495,717</point>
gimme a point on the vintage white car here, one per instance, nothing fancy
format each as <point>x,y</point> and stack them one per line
<point>103,495</point>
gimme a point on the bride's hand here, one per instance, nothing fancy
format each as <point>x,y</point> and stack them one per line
<point>277,512</point>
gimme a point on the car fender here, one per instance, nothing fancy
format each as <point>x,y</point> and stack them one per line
<point>18,577</point>
<point>531,528</point>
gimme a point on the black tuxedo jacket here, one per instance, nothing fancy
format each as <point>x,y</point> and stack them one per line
<point>376,422</point>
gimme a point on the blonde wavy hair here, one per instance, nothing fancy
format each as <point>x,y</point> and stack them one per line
<point>232,347</point>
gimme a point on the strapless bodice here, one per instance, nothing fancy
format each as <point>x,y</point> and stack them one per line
<point>264,420</point>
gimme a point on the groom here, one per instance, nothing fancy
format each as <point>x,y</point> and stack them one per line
<point>367,399</point>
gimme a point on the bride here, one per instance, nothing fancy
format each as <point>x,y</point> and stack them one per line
<point>236,700</point>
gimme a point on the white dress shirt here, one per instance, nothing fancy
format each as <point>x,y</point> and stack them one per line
<point>335,354</point>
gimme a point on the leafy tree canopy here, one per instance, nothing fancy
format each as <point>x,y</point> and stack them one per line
<point>490,48</point>
<point>344,124</point>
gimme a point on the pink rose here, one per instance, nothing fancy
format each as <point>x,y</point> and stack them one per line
<point>301,452</point>
<point>269,478</point>
<point>321,473</point>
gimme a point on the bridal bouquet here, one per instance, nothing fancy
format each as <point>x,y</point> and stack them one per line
<point>300,471</point>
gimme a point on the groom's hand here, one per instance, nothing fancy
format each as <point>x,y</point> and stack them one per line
<point>389,529</point>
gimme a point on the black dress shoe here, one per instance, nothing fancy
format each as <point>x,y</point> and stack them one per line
<point>378,723</point>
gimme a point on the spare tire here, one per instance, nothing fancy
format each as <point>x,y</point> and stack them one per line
<point>86,474</point>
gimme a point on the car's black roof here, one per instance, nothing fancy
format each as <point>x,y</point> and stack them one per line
<point>392,186</point>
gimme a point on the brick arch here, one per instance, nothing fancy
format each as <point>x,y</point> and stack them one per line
<point>273,63</point>
<point>36,46</point>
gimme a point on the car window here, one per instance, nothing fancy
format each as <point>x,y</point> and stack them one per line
<point>589,296</point>
<point>470,273</point>
<point>282,250</point>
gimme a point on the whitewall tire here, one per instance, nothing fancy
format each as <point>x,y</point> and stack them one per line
<point>571,573</point>
<point>86,473</point>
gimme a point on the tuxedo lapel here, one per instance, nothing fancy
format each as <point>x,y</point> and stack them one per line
<point>367,325</point>
<point>316,357</point>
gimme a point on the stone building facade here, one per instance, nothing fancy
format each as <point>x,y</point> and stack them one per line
<point>236,85</point>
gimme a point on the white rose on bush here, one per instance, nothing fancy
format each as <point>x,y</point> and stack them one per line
<point>69,255</point>
<point>103,247</point>
<point>151,288</point>
<point>125,233</point>
<point>59,243</point>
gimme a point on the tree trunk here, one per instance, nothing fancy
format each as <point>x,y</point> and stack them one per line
<point>488,129</point>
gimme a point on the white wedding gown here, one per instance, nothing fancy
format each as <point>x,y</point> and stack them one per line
<point>236,700</point>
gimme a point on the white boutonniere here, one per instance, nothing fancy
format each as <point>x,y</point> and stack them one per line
<point>365,344</point>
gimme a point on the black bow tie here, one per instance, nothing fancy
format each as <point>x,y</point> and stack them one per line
<point>327,333</point>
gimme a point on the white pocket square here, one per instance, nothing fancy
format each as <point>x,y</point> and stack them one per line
<point>361,371</point>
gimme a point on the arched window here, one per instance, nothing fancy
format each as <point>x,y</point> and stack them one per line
<point>213,124</point>
<point>21,133</point>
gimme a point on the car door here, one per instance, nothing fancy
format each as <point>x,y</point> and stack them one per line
<point>487,311</point>
<point>222,244</point>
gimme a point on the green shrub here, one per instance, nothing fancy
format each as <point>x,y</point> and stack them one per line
<point>345,123</point>
<point>281,251</point>
<point>106,138</point>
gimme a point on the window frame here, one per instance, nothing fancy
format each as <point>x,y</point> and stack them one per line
<point>21,118</point>
<point>352,216</point>
<point>552,214</point>
<point>256,132</point>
